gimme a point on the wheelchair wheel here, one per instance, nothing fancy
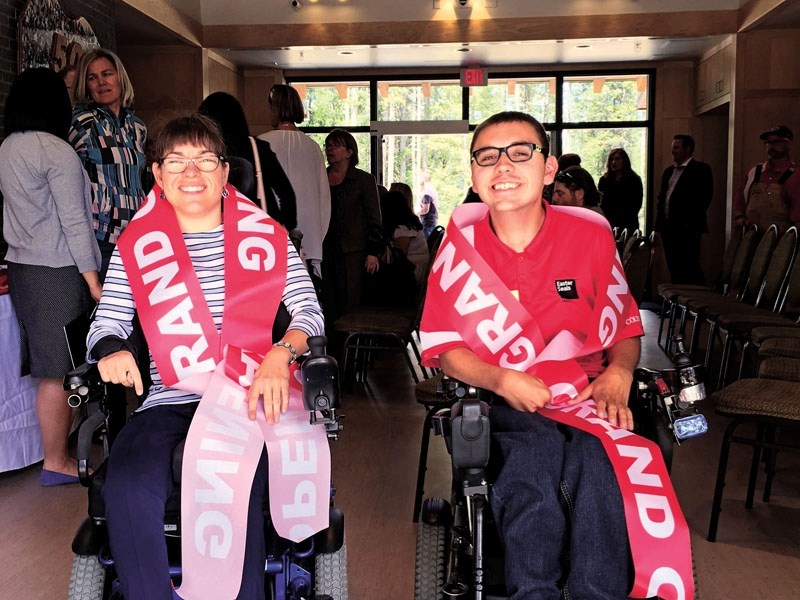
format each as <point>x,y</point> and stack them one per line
<point>330,574</point>
<point>429,563</point>
<point>87,580</point>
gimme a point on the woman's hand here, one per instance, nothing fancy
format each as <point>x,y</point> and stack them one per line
<point>96,291</point>
<point>271,381</point>
<point>372,264</point>
<point>121,368</point>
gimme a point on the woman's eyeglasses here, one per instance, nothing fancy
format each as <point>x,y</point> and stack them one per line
<point>178,164</point>
<point>521,152</point>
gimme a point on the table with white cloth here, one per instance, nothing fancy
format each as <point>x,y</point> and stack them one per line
<point>20,442</point>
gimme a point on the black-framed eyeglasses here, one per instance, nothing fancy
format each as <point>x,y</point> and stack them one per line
<point>178,164</point>
<point>519,152</point>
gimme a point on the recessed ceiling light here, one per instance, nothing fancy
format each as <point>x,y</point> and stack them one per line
<point>463,49</point>
<point>583,46</point>
<point>346,52</point>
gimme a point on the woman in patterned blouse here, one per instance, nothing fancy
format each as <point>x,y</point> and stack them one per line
<point>110,141</point>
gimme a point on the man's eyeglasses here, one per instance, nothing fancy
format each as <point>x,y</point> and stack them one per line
<point>565,178</point>
<point>178,164</point>
<point>521,152</point>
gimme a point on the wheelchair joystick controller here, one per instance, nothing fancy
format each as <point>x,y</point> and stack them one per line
<point>320,375</point>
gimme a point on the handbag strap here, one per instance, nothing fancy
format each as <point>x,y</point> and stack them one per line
<point>262,197</point>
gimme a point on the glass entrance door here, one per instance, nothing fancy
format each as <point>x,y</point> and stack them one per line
<point>410,151</point>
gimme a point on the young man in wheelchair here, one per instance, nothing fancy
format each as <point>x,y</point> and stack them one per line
<point>529,302</point>
<point>206,271</point>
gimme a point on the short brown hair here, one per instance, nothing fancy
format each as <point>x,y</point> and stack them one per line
<point>286,104</point>
<point>512,116</point>
<point>195,129</point>
<point>346,139</point>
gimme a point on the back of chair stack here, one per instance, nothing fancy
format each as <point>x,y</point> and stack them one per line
<point>637,267</point>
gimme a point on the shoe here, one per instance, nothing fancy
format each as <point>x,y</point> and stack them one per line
<point>53,478</point>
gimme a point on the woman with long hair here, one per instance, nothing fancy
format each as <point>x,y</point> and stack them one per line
<point>53,258</point>
<point>622,192</point>
<point>110,141</point>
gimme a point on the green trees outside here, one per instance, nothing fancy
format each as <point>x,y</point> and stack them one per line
<point>614,105</point>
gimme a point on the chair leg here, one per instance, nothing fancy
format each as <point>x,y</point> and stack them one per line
<point>716,505</point>
<point>754,464</point>
<point>712,330</point>
<point>745,348</point>
<point>773,433</point>
<point>666,306</point>
<point>422,466</point>
<point>726,354</point>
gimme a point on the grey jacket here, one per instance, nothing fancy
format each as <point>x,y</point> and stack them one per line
<point>47,212</point>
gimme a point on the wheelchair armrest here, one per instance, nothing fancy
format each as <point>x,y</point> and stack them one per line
<point>470,433</point>
<point>320,375</point>
<point>83,451</point>
<point>84,374</point>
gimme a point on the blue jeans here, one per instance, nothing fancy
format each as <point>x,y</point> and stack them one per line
<point>559,510</point>
<point>138,483</point>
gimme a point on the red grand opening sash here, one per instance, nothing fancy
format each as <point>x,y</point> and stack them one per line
<point>484,313</point>
<point>223,446</point>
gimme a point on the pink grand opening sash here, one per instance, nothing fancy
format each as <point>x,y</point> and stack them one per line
<point>223,446</point>
<point>481,309</point>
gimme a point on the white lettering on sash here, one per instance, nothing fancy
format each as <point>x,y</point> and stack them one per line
<point>305,461</point>
<point>305,502</point>
<point>146,257</point>
<point>250,367</point>
<point>651,504</point>
<point>213,531</point>
<point>522,346</point>
<point>643,457</point>
<point>255,253</point>
<point>186,360</point>
<point>209,470</point>
<point>608,317</point>
<point>472,298</point>
<point>449,274</point>
<point>218,544</point>
<point>666,576</point>
<point>178,320</point>
<point>163,275</point>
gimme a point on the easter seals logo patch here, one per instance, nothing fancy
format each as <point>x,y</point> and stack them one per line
<point>567,289</point>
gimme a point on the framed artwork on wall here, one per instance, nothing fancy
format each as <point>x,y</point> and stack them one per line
<point>47,37</point>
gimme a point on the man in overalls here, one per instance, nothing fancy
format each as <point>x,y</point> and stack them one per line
<point>771,191</point>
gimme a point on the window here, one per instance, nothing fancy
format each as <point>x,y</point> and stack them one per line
<point>536,97</point>
<point>335,104</point>
<point>419,100</point>
<point>598,98</point>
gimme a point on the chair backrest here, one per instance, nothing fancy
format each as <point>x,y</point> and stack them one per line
<point>789,301</point>
<point>783,256</point>
<point>759,265</point>
<point>621,239</point>
<point>435,236</point>
<point>724,278</point>
<point>637,267</point>
<point>741,262</point>
<point>629,246</point>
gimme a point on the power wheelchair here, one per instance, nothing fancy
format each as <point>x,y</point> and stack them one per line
<point>314,569</point>
<point>459,554</point>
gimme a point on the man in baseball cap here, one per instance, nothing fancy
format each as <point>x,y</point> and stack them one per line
<point>771,190</point>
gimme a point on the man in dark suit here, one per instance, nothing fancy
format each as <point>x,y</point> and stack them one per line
<point>684,197</point>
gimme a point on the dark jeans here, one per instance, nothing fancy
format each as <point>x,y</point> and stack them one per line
<point>138,483</point>
<point>559,510</point>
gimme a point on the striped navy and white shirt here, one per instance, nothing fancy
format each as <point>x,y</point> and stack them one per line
<point>206,250</point>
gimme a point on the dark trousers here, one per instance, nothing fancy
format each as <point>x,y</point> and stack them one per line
<point>682,249</point>
<point>559,511</point>
<point>138,482</point>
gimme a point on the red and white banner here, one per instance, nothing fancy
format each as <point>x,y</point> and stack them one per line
<point>480,309</point>
<point>223,446</point>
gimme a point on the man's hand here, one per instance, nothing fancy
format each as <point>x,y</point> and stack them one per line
<point>372,264</point>
<point>523,392</point>
<point>271,381</point>
<point>610,391</point>
<point>120,367</point>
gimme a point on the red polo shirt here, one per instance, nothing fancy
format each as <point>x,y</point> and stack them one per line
<point>554,278</point>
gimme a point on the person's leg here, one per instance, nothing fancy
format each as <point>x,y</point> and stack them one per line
<point>598,563</point>
<point>255,552</point>
<point>525,501</point>
<point>55,417</point>
<point>138,483</point>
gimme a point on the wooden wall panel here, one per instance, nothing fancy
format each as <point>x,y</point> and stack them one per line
<point>257,84</point>
<point>222,76</point>
<point>167,81</point>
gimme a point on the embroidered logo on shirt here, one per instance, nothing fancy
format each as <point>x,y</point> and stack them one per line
<point>567,289</point>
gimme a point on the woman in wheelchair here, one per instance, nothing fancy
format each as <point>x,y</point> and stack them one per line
<point>205,271</point>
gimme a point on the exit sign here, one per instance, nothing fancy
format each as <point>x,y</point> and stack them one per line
<point>473,76</point>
